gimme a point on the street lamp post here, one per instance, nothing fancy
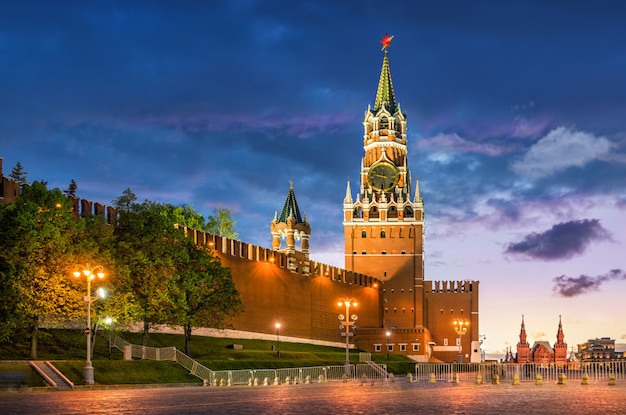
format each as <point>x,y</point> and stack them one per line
<point>347,320</point>
<point>460,326</point>
<point>278,338</point>
<point>388,342</point>
<point>90,274</point>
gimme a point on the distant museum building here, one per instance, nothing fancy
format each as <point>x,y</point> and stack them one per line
<point>541,352</point>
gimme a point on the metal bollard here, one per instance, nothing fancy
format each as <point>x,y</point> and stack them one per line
<point>585,379</point>
<point>539,379</point>
<point>612,380</point>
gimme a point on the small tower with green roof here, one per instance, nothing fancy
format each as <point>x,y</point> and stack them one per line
<point>291,226</point>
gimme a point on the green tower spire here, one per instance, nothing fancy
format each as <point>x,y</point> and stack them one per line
<point>385,95</point>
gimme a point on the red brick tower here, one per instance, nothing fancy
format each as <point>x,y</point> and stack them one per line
<point>560,347</point>
<point>523,348</point>
<point>384,224</point>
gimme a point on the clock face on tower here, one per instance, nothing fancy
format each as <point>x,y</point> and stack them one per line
<point>383,176</point>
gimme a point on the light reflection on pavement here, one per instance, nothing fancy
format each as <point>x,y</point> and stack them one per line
<point>328,398</point>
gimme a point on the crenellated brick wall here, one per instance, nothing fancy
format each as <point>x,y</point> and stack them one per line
<point>302,295</point>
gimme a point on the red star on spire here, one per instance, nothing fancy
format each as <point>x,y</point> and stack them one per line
<point>386,41</point>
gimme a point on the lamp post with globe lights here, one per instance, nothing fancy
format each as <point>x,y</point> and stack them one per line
<point>460,327</point>
<point>90,274</point>
<point>347,321</point>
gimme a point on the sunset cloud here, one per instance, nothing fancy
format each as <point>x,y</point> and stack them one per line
<point>564,240</point>
<point>565,286</point>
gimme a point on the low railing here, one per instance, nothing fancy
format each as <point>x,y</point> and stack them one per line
<point>526,372</point>
<point>312,374</point>
<point>255,376</point>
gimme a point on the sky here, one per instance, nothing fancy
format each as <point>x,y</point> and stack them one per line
<point>516,113</point>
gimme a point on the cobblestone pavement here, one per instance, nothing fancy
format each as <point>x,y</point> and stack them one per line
<point>329,398</point>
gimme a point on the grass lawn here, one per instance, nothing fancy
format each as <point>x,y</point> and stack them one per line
<point>66,349</point>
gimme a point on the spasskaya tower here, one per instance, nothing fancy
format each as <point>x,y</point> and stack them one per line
<point>384,223</point>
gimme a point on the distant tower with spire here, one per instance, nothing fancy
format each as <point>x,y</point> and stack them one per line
<point>523,347</point>
<point>560,347</point>
<point>291,226</point>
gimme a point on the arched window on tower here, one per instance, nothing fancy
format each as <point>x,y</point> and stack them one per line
<point>358,213</point>
<point>374,212</point>
<point>384,123</point>
<point>383,234</point>
<point>363,233</point>
<point>392,212</point>
<point>408,212</point>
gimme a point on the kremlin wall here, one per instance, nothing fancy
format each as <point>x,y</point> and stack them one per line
<point>398,311</point>
<point>301,294</point>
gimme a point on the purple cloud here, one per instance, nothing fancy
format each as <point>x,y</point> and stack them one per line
<point>572,286</point>
<point>562,241</point>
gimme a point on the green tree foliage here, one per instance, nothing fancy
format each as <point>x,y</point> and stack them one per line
<point>144,240</point>
<point>185,216</point>
<point>206,292</point>
<point>154,273</point>
<point>40,241</point>
<point>18,174</point>
<point>126,201</point>
<point>222,224</point>
<point>71,189</point>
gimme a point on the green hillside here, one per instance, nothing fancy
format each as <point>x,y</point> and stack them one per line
<point>67,349</point>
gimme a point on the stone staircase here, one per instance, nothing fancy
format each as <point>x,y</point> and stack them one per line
<point>51,374</point>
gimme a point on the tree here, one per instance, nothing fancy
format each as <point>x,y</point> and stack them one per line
<point>39,235</point>
<point>222,224</point>
<point>126,201</point>
<point>206,291</point>
<point>71,190</point>
<point>145,241</point>
<point>185,216</point>
<point>165,278</point>
<point>18,174</point>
